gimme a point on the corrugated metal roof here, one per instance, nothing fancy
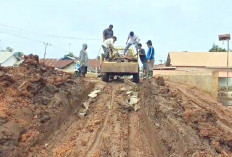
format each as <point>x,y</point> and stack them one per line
<point>63,63</point>
<point>94,63</point>
<point>4,56</point>
<point>200,59</point>
<point>49,62</point>
<point>55,63</point>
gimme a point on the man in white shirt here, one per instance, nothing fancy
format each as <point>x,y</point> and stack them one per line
<point>134,40</point>
<point>107,45</point>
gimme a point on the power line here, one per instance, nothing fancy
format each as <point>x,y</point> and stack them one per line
<point>48,35</point>
<point>19,36</point>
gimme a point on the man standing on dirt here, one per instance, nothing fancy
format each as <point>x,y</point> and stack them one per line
<point>150,58</point>
<point>142,56</point>
<point>108,45</point>
<point>83,60</point>
<point>108,33</point>
<point>134,39</point>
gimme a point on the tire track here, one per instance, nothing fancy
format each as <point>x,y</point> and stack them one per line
<point>98,137</point>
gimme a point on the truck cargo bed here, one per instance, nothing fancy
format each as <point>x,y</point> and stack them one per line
<point>121,67</point>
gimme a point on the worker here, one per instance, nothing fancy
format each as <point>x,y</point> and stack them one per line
<point>150,58</point>
<point>134,40</point>
<point>83,60</point>
<point>142,56</point>
<point>108,45</point>
<point>108,33</point>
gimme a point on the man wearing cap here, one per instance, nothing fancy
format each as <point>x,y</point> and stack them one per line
<point>134,40</point>
<point>150,58</point>
<point>108,33</point>
<point>108,45</point>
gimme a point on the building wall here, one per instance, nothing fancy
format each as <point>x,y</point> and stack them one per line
<point>203,80</point>
<point>71,67</point>
<point>9,62</point>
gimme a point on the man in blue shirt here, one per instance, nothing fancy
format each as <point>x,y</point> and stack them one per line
<point>150,58</point>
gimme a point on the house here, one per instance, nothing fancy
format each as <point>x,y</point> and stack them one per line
<point>204,70</point>
<point>69,65</point>
<point>9,59</point>
<point>66,65</point>
<point>199,60</point>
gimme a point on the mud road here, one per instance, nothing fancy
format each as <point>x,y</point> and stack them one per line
<point>173,120</point>
<point>108,129</point>
<point>48,113</point>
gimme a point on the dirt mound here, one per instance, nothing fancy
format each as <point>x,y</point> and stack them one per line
<point>31,95</point>
<point>188,123</point>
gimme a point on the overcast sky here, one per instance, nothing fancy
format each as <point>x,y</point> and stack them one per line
<point>172,25</point>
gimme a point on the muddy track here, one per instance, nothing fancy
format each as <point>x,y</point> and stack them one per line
<point>107,130</point>
<point>173,120</point>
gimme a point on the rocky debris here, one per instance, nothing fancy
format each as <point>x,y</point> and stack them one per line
<point>94,93</point>
<point>160,81</point>
<point>84,111</point>
<point>44,118</point>
<point>132,101</point>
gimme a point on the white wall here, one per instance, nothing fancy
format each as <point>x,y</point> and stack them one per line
<point>71,67</point>
<point>9,62</point>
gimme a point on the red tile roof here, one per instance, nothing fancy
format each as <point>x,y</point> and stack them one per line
<point>56,63</point>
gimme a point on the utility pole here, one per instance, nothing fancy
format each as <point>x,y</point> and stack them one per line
<point>46,45</point>
<point>227,38</point>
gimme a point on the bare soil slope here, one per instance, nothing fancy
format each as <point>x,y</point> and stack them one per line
<point>34,101</point>
<point>188,122</point>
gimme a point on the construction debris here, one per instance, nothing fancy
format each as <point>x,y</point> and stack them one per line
<point>94,93</point>
<point>132,100</point>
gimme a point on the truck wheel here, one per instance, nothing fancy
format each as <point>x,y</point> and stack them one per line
<point>105,77</point>
<point>136,78</point>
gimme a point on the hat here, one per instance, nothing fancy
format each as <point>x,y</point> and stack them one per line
<point>131,33</point>
<point>149,42</point>
<point>111,26</point>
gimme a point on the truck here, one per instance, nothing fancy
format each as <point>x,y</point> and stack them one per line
<point>118,68</point>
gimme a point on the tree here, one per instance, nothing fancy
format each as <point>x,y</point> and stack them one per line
<point>216,48</point>
<point>70,54</point>
<point>18,55</point>
<point>9,49</point>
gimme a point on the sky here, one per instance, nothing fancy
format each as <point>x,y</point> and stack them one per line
<point>172,25</point>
